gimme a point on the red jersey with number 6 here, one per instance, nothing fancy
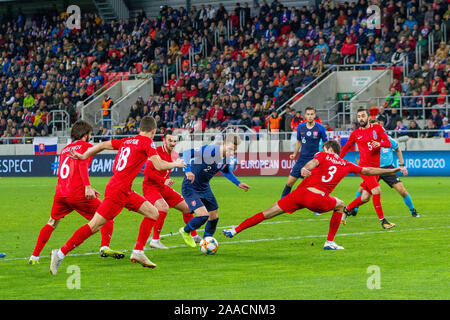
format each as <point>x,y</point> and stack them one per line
<point>133,152</point>
<point>155,177</point>
<point>73,175</point>
<point>369,156</point>
<point>330,171</point>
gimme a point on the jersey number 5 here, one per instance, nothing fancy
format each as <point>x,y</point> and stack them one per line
<point>331,171</point>
<point>123,158</point>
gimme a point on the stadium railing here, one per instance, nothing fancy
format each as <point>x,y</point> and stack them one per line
<point>216,135</point>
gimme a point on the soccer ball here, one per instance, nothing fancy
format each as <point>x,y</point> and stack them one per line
<point>209,245</point>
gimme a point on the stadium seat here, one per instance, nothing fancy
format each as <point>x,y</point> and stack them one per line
<point>138,67</point>
<point>90,59</point>
<point>373,111</point>
<point>256,128</point>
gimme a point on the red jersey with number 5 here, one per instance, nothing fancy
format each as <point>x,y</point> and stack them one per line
<point>133,152</point>
<point>330,171</point>
<point>369,156</point>
<point>155,177</point>
<point>73,175</point>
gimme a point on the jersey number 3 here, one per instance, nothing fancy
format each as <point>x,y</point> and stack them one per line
<point>331,171</point>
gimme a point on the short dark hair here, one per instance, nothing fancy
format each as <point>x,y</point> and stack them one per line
<point>80,129</point>
<point>362,109</point>
<point>333,144</point>
<point>148,123</point>
<point>310,108</point>
<point>168,132</point>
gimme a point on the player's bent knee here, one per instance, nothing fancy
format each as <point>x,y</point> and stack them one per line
<point>53,223</point>
<point>376,190</point>
<point>96,223</point>
<point>162,206</point>
<point>149,211</point>
<point>213,215</point>
<point>339,205</point>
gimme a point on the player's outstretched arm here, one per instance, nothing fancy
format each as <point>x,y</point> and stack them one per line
<point>402,163</point>
<point>369,171</point>
<point>306,170</point>
<point>160,164</point>
<point>298,144</point>
<point>105,145</point>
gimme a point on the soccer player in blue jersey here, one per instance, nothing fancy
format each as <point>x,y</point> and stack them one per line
<point>309,135</point>
<point>393,181</point>
<point>202,164</point>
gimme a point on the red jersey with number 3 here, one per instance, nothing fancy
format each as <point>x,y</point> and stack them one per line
<point>330,171</point>
<point>155,177</point>
<point>133,152</point>
<point>369,156</point>
<point>73,175</point>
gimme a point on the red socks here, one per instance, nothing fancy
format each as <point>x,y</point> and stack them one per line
<point>186,218</point>
<point>250,222</point>
<point>144,233</point>
<point>354,204</point>
<point>44,235</point>
<point>77,238</point>
<point>377,204</point>
<point>335,222</point>
<point>106,232</point>
<point>159,224</point>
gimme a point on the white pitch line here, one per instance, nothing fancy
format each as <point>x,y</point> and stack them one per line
<point>263,240</point>
<point>304,220</point>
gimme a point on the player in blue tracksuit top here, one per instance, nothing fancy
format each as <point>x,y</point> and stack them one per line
<point>202,164</point>
<point>309,135</point>
<point>393,181</point>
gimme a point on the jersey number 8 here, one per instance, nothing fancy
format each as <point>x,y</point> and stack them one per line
<point>123,158</point>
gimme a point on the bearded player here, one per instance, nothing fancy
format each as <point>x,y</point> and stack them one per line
<point>132,154</point>
<point>322,174</point>
<point>74,193</point>
<point>157,190</point>
<point>370,138</point>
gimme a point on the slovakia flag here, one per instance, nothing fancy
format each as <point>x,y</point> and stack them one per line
<point>44,146</point>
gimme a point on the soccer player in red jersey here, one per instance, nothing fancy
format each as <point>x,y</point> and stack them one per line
<point>74,193</point>
<point>323,173</point>
<point>132,154</point>
<point>370,138</point>
<point>157,189</point>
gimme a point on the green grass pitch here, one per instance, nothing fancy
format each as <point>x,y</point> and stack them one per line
<point>281,258</point>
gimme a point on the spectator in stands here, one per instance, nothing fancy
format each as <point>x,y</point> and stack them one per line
<point>274,121</point>
<point>436,118</point>
<point>393,119</point>
<point>382,115</point>
<point>107,104</point>
<point>445,128</point>
<point>393,99</point>
<point>432,130</point>
<point>401,129</point>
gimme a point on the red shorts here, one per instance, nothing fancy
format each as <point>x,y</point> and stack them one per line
<point>369,182</point>
<point>303,198</point>
<point>153,194</point>
<point>62,206</point>
<point>113,204</point>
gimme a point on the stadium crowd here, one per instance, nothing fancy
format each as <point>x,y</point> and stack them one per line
<point>243,80</point>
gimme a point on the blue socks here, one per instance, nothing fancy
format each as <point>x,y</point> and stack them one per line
<point>408,202</point>
<point>210,228</point>
<point>286,191</point>
<point>195,223</point>
<point>358,194</point>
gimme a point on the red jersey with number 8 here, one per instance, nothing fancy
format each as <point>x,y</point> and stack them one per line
<point>369,156</point>
<point>73,175</point>
<point>330,171</point>
<point>133,152</point>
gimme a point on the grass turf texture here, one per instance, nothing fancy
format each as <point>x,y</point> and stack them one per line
<point>287,261</point>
